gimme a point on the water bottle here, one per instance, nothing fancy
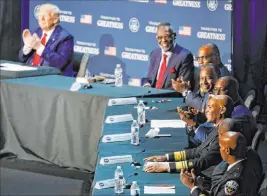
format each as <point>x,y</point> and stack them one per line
<point>87,74</point>
<point>119,180</point>
<point>118,75</point>
<point>135,190</point>
<point>135,133</point>
<point>141,113</point>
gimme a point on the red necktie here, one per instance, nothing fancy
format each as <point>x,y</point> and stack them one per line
<point>37,58</point>
<point>162,71</point>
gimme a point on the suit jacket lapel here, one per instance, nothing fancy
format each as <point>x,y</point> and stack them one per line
<point>156,67</point>
<point>52,38</point>
<point>171,63</point>
<point>212,136</point>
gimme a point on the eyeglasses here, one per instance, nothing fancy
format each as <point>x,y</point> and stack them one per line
<point>198,58</point>
<point>165,37</point>
<point>218,90</point>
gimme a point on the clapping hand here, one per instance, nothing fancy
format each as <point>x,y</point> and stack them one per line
<point>188,178</point>
<point>37,42</point>
<point>186,117</point>
<point>28,39</point>
<point>180,85</point>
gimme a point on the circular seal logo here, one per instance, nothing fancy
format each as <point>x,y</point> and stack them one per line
<point>113,102</point>
<point>36,11</point>
<point>134,25</point>
<point>212,4</point>
<point>108,138</point>
<point>101,184</point>
<point>106,160</point>
<point>111,119</point>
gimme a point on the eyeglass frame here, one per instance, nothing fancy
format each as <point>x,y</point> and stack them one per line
<point>205,57</point>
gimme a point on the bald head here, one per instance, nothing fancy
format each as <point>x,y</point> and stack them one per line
<point>227,85</point>
<point>232,144</point>
<point>209,53</point>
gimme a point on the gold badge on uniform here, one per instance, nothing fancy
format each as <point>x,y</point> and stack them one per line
<point>231,187</point>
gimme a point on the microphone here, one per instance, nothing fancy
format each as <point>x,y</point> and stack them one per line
<point>137,164</point>
<point>128,186</point>
<point>146,93</point>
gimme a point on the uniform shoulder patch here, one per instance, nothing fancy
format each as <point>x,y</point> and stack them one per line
<point>231,187</point>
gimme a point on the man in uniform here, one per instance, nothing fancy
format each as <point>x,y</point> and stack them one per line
<point>204,156</point>
<point>239,173</point>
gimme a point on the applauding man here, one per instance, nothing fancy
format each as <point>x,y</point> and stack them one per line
<point>239,173</point>
<point>50,44</point>
<point>204,156</point>
<point>170,61</point>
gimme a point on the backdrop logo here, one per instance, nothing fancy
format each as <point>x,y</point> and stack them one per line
<point>140,1</point>
<point>86,19</point>
<point>66,16</point>
<point>134,54</point>
<point>134,25</point>
<point>110,51</point>
<point>184,30</point>
<point>161,1</point>
<point>186,3</point>
<point>86,47</point>
<point>212,4</point>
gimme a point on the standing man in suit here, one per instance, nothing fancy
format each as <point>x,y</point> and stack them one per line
<point>170,61</point>
<point>50,44</point>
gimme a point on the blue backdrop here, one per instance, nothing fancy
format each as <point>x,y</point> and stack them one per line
<point>123,31</point>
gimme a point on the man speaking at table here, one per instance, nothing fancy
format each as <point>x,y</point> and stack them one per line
<point>170,61</point>
<point>50,44</point>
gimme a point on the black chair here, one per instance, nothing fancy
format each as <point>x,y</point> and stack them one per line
<point>256,111</point>
<point>249,98</point>
<point>80,62</point>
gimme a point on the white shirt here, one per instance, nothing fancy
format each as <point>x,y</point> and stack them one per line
<point>233,164</point>
<point>169,54</point>
<point>27,50</point>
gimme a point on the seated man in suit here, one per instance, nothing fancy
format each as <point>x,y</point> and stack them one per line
<point>239,173</point>
<point>170,61</point>
<point>209,53</point>
<point>228,85</point>
<point>50,44</point>
<point>205,155</point>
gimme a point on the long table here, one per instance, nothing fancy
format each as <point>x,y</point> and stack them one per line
<point>39,71</point>
<point>147,147</point>
<point>41,119</point>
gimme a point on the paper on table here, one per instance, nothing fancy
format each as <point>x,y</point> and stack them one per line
<point>116,137</point>
<point>122,101</point>
<point>167,123</point>
<point>159,190</point>
<point>15,67</point>
<point>116,159</point>
<point>119,118</point>
<point>103,184</point>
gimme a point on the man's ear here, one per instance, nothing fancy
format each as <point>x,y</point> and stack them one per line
<point>228,151</point>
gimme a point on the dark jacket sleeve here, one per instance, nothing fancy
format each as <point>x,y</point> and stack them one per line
<point>199,192</point>
<point>203,158</point>
<point>148,79</point>
<point>63,54</point>
<point>187,68</point>
<point>194,100</point>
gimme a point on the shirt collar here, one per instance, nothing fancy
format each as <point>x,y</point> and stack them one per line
<point>168,53</point>
<point>233,164</point>
<point>49,33</point>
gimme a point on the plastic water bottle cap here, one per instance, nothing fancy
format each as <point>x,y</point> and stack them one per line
<point>118,167</point>
<point>118,65</point>
<point>140,101</point>
<point>134,182</point>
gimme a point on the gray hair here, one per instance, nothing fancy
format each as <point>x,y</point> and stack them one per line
<point>52,9</point>
<point>167,26</point>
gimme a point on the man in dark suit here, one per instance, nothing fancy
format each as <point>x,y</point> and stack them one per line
<point>239,173</point>
<point>205,155</point>
<point>170,61</point>
<point>50,44</point>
